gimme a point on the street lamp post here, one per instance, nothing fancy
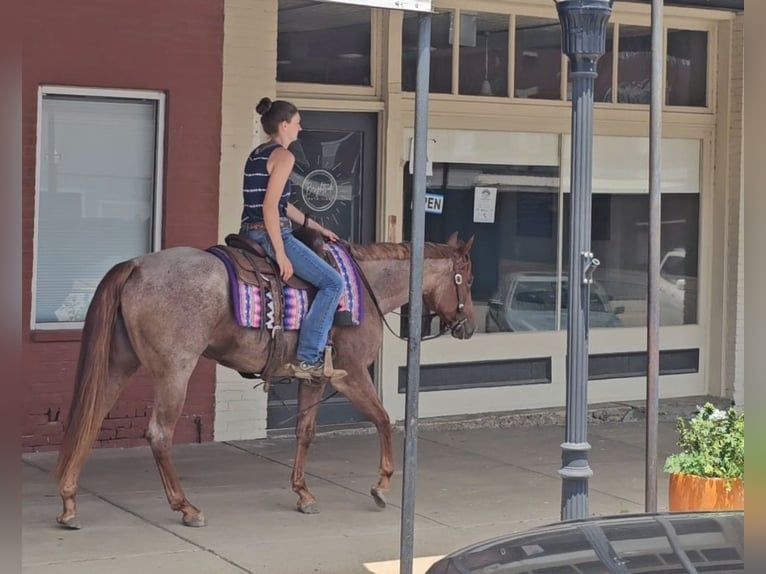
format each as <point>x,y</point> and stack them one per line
<point>583,35</point>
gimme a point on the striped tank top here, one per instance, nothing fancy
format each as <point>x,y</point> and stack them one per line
<point>254,185</point>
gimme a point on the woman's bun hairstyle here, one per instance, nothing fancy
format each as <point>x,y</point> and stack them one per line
<point>263,106</point>
<point>274,113</point>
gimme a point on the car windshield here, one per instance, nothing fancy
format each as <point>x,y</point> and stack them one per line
<point>534,296</point>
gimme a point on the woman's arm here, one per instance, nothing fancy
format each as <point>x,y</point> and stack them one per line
<point>280,165</point>
<point>300,218</point>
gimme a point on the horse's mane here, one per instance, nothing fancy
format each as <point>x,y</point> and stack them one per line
<point>380,251</point>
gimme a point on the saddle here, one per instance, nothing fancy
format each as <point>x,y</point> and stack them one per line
<point>254,267</point>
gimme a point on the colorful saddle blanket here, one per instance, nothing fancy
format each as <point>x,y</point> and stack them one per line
<point>248,303</point>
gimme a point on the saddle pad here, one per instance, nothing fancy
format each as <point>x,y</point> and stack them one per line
<point>248,305</point>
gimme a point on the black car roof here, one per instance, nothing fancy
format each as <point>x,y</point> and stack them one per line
<point>624,544</point>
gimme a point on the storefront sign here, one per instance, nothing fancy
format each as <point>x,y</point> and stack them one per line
<point>484,204</point>
<point>434,203</point>
<point>414,5</point>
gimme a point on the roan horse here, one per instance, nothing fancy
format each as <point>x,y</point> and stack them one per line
<point>139,315</point>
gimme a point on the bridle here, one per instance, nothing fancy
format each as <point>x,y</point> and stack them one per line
<point>460,264</point>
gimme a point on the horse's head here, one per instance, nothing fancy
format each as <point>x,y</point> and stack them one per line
<point>450,299</point>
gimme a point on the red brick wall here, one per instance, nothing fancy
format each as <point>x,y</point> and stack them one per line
<point>174,46</point>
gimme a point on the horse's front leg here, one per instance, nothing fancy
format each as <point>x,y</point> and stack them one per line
<point>309,395</point>
<point>360,390</point>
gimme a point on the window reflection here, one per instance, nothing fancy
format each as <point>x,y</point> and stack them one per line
<point>537,58</point>
<point>514,245</point>
<point>441,52</point>
<point>634,68</point>
<point>686,68</point>
<point>323,43</point>
<point>484,54</point>
<point>620,239</point>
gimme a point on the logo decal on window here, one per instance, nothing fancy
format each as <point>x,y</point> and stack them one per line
<point>319,190</point>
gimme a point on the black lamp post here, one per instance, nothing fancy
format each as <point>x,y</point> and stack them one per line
<point>583,35</point>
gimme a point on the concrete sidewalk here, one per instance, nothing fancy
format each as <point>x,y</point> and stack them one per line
<point>471,485</point>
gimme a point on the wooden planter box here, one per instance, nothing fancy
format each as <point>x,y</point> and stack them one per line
<point>689,492</point>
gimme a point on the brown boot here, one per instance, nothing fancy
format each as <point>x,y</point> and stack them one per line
<point>318,371</point>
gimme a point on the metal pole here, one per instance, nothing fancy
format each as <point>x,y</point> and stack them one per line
<point>583,32</point>
<point>653,295</point>
<point>416,294</point>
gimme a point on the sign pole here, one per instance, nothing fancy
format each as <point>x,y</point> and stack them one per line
<point>416,294</point>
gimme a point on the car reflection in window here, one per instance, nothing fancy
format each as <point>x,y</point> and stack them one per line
<point>527,302</point>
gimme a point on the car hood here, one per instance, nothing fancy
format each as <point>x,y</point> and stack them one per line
<point>546,320</point>
<point>626,544</point>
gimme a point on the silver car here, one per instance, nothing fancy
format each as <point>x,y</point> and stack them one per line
<point>526,301</point>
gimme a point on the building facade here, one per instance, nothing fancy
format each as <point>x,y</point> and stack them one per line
<point>499,152</point>
<point>136,128</point>
<point>121,148</point>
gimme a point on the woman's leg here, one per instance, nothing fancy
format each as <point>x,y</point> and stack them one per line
<point>318,321</point>
<point>316,326</point>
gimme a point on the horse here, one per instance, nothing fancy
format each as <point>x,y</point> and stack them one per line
<point>139,317</point>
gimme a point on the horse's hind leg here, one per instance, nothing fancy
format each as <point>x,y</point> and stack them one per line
<point>360,390</point>
<point>122,364</point>
<point>309,395</point>
<point>169,397</point>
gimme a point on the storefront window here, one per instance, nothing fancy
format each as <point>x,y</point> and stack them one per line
<point>537,58</point>
<point>634,67</point>
<point>512,212</point>
<point>620,232</point>
<point>98,193</point>
<point>686,68</point>
<point>323,43</point>
<point>484,54</point>
<point>441,52</point>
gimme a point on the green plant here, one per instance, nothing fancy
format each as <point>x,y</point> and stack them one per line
<point>712,444</point>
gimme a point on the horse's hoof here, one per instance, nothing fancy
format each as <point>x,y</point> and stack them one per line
<point>378,497</point>
<point>70,523</point>
<point>309,508</point>
<point>197,521</point>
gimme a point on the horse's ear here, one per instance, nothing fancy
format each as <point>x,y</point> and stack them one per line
<point>452,241</point>
<point>466,247</point>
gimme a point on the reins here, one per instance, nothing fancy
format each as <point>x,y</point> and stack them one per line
<point>367,286</point>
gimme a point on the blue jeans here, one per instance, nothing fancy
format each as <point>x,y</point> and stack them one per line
<point>310,267</point>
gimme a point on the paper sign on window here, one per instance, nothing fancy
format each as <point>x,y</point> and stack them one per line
<point>484,199</point>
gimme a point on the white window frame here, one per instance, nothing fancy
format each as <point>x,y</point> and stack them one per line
<point>55,90</point>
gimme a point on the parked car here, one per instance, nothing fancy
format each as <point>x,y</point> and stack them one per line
<point>526,301</point>
<point>668,543</point>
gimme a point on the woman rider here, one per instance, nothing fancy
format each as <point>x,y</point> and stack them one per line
<point>266,219</point>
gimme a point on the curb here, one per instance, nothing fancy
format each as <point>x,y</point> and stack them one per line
<point>670,410</point>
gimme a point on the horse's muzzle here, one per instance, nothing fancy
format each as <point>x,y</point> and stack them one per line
<point>463,329</point>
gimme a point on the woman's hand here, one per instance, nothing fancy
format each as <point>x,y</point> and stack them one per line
<point>327,234</point>
<point>285,266</point>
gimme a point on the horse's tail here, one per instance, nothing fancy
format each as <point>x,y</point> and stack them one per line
<point>86,409</point>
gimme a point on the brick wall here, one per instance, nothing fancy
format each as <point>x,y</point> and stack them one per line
<point>174,46</point>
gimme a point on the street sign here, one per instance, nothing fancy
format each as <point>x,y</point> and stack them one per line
<point>413,5</point>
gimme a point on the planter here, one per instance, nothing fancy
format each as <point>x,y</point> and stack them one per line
<point>689,492</point>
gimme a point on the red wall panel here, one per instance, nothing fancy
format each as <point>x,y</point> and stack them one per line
<point>173,46</point>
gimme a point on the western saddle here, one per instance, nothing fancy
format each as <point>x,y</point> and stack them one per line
<point>254,267</point>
